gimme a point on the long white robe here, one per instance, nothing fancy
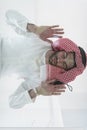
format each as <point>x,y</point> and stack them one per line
<point>25,56</point>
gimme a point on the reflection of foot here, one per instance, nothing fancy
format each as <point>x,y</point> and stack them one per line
<point>17,21</point>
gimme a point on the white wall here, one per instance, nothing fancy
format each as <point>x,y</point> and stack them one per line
<point>70,14</point>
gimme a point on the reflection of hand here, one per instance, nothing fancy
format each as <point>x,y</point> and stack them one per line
<point>45,32</point>
<point>47,88</point>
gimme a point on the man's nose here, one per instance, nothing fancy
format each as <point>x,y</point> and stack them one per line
<point>60,60</point>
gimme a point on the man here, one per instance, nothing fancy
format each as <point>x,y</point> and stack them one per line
<point>41,64</point>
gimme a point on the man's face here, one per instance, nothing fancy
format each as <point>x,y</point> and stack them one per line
<point>62,59</point>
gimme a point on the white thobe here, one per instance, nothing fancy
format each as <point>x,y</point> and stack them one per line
<point>24,56</point>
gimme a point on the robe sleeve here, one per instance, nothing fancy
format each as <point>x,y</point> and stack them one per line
<point>21,96</point>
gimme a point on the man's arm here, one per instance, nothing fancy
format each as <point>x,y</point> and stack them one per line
<point>45,32</point>
<point>25,94</point>
<point>47,89</point>
<point>21,96</point>
<point>22,25</point>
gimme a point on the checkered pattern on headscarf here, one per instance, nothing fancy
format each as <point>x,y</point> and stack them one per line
<point>61,74</point>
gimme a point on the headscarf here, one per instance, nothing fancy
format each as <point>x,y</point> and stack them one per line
<point>80,59</point>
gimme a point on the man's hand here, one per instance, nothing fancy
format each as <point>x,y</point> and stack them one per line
<point>45,32</point>
<point>47,88</point>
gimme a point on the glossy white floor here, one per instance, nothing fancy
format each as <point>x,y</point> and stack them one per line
<point>71,111</point>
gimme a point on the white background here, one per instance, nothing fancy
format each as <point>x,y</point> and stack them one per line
<point>73,17</point>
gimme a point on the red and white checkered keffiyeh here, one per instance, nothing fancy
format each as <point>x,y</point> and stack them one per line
<point>61,74</point>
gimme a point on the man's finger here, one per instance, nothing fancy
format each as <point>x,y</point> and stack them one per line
<point>59,32</point>
<point>53,26</point>
<point>60,36</point>
<point>51,81</point>
<point>58,29</point>
<point>59,90</point>
<point>56,93</point>
<point>60,87</point>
